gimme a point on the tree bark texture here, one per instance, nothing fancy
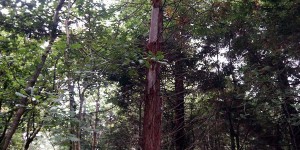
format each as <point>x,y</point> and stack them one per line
<point>24,101</point>
<point>179,108</point>
<point>153,102</point>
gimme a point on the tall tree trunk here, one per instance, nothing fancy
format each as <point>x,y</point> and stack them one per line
<point>287,106</point>
<point>231,130</point>
<point>191,136</point>
<point>72,107</point>
<point>140,122</point>
<point>94,144</point>
<point>74,145</point>
<point>80,117</point>
<point>179,106</point>
<point>153,102</point>
<point>80,114</point>
<point>278,138</point>
<point>24,101</point>
<point>237,137</point>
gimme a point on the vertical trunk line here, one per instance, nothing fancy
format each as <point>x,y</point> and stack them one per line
<point>153,102</point>
<point>288,109</point>
<point>232,132</point>
<point>179,109</point>
<point>74,128</point>
<point>140,122</point>
<point>96,119</point>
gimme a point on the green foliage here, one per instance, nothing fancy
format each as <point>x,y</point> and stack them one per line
<point>239,61</point>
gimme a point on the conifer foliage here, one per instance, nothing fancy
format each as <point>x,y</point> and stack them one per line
<point>159,74</point>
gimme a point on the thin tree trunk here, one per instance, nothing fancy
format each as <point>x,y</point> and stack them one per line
<point>288,109</point>
<point>74,127</point>
<point>278,137</point>
<point>96,120</point>
<point>6,126</point>
<point>32,136</point>
<point>231,130</point>
<point>72,108</point>
<point>237,137</point>
<point>24,101</point>
<point>140,123</point>
<point>179,108</point>
<point>153,102</point>
<point>80,114</point>
<point>71,93</point>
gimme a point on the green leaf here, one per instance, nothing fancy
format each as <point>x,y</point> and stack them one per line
<point>76,46</point>
<point>159,55</point>
<point>147,64</point>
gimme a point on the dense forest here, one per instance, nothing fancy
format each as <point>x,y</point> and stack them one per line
<point>150,74</point>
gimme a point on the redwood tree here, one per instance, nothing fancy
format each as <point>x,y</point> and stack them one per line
<point>153,102</point>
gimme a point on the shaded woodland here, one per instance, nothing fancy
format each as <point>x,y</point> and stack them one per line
<point>151,75</point>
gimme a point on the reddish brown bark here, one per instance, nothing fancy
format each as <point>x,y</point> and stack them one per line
<point>153,103</point>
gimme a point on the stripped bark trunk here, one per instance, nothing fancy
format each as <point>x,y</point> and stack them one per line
<point>24,101</point>
<point>153,102</point>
